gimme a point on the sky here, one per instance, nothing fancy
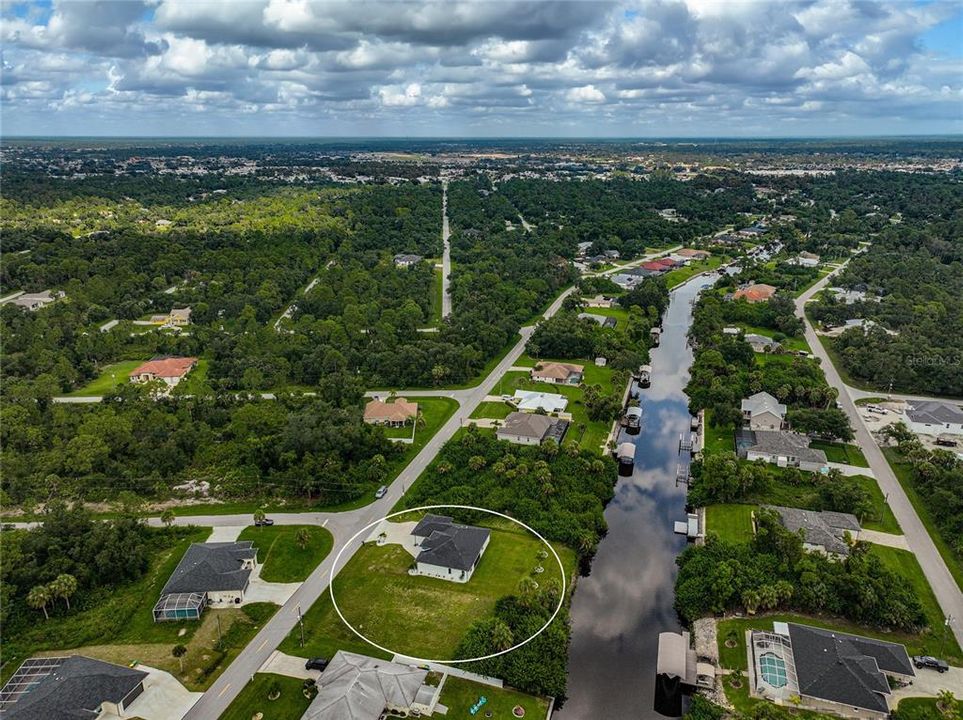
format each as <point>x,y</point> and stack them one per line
<point>490,68</point>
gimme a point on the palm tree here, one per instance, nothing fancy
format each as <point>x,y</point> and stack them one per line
<point>63,587</point>
<point>38,598</point>
<point>259,516</point>
<point>502,637</point>
<point>167,517</point>
<point>302,537</point>
<point>179,651</point>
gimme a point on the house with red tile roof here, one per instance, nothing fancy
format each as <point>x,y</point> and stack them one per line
<point>169,369</point>
<point>393,414</point>
<point>755,293</point>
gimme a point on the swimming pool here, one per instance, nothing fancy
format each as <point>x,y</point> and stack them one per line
<point>772,668</point>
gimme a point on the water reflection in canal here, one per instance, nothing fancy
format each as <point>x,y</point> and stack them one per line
<point>620,609</point>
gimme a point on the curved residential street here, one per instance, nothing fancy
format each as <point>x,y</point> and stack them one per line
<point>918,539</point>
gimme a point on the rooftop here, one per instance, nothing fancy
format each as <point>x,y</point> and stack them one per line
<point>209,567</point>
<point>448,544</point>
<point>935,412</point>
<point>824,529</point>
<point>397,411</point>
<point>763,402</point>
<point>65,688</point>
<point>790,444</point>
<point>164,367</point>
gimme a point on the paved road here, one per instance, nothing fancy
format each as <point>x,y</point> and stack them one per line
<point>917,538</point>
<point>342,525</point>
<point>446,253</point>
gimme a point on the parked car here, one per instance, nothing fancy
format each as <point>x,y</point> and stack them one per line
<point>264,522</point>
<point>928,661</point>
<point>381,492</point>
<point>318,663</point>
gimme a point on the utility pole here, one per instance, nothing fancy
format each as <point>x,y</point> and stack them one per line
<point>301,624</point>
<point>946,625</point>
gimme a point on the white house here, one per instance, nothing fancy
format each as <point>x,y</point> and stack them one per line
<point>447,550</point>
<point>934,417</point>
<point>532,400</point>
<point>763,412</point>
<point>524,428</point>
<point>36,301</point>
<point>786,449</point>
<point>208,574</point>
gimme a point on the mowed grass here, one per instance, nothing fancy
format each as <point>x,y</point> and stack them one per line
<point>841,453</point>
<point>732,523</point>
<point>904,473</point>
<point>253,699</point>
<point>495,410</point>
<point>283,559</point>
<point>419,616</point>
<point>924,709</point>
<point>196,381</point>
<point>676,277</point>
<point>459,695</point>
<point>881,518</point>
<point>110,377</point>
<point>718,438</point>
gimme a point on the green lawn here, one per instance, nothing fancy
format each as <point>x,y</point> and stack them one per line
<point>460,695</point>
<point>882,518</point>
<point>253,699</point>
<point>592,375</point>
<point>841,453</point>
<point>283,558</point>
<point>732,523</point>
<point>110,377</point>
<point>594,433</point>
<point>434,315</point>
<point>420,616</point>
<point>719,439</point>
<point>496,410</point>
<point>923,709</point>
<point>678,276</point>
<point>905,564</point>
<point>903,473</point>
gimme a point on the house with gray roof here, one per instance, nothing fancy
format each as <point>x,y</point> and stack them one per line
<point>406,260</point>
<point>761,343</point>
<point>823,532</point>
<point>70,688</point>
<point>828,671</point>
<point>358,687</point>
<point>522,428</point>
<point>448,550</point>
<point>935,417</point>
<point>786,449</point>
<point>763,412</point>
<point>603,320</point>
<point>208,574</point>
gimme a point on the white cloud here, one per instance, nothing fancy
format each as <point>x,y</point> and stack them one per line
<point>585,94</point>
<point>397,96</point>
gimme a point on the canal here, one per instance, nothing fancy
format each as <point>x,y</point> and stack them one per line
<point>619,610</point>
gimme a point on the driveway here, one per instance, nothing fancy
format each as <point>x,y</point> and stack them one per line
<point>887,539</point>
<point>262,591</point>
<point>851,469</point>
<point>163,698</point>
<point>928,683</point>
<point>226,533</point>
<point>289,666</point>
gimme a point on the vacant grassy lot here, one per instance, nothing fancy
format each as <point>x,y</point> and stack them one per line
<point>678,276</point>
<point>283,558</point>
<point>904,474</point>
<point>719,438</point>
<point>110,377</point>
<point>253,699</point>
<point>420,616</point>
<point>732,523</point>
<point>841,453</point>
<point>496,410</point>
<point>460,695</point>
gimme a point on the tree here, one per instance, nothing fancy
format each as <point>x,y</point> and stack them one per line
<point>38,597</point>
<point>167,517</point>
<point>947,705</point>
<point>63,587</point>
<point>259,516</point>
<point>302,537</point>
<point>179,651</point>
<point>501,635</point>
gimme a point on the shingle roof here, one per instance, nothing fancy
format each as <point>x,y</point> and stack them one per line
<point>778,442</point>
<point>525,425</point>
<point>357,687</point>
<point>209,567</point>
<point>825,529</point>
<point>557,370</point>
<point>763,402</point>
<point>407,258</point>
<point>846,668</point>
<point>933,412</point>
<point>75,689</point>
<point>451,545</point>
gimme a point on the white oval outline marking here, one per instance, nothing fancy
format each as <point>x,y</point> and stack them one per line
<point>337,559</point>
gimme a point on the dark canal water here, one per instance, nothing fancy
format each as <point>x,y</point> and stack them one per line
<point>620,609</point>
